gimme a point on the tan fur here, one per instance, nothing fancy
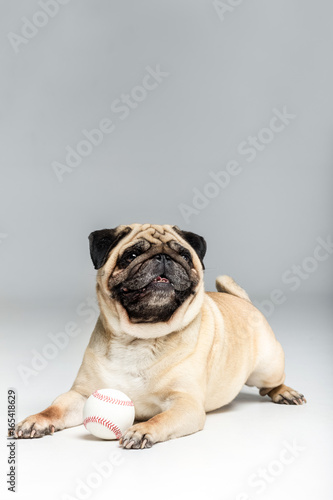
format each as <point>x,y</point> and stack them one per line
<point>175,371</point>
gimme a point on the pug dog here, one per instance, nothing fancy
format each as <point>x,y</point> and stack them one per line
<point>177,351</point>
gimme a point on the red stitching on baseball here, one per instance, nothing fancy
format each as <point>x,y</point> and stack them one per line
<point>103,421</point>
<point>107,399</point>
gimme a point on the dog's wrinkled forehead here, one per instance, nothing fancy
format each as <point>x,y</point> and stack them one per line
<point>152,236</point>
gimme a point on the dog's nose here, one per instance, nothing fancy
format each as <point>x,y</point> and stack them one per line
<point>162,257</point>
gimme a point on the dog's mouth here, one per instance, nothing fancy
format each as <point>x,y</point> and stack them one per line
<point>159,281</point>
<point>152,294</point>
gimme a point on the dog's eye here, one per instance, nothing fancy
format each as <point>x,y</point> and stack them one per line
<point>128,257</point>
<point>131,256</point>
<point>186,257</point>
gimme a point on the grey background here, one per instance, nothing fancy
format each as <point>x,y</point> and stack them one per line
<point>225,79</point>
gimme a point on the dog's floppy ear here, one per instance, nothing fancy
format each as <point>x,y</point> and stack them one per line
<point>198,243</point>
<point>101,243</point>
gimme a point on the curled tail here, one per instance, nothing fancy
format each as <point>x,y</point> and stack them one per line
<point>226,284</point>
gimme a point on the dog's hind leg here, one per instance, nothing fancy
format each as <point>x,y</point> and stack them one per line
<point>268,374</point>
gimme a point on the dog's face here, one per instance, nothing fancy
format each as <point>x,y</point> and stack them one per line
<point>150,271</point>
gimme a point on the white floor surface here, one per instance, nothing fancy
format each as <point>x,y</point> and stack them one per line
<point>251,449</point>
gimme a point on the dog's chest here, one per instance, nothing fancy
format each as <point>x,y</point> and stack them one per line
<point>128,368</point>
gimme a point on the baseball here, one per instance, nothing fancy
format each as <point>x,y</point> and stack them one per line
<point>108,413</point>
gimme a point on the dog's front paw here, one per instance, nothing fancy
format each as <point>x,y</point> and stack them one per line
<point>138,437</point>
<point>34,426</point>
